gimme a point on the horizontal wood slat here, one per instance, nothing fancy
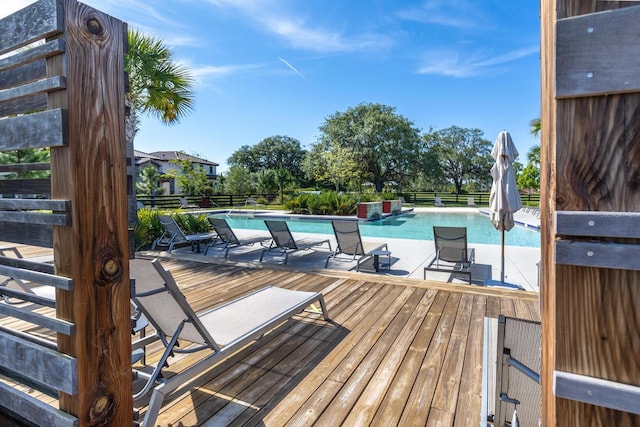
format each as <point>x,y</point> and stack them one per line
<point>41,364</point>
<point>56,325</point>
<point>28,297</point>
<point>585,64</point>
<point>26,73</point>
<point>596,391</point>
<point>50,48</point>
<point>50,84</point>
<point>36,411</point>
<point>25,167</point>
<point>598,224</point>
<point>35,218</point>
<point>28,234</point>
<point>35,276</point>
<point>24,105</point>
<point>27,264</point>
<point>38,130</point>
<point>26,186</point>
<point>598,254</point>
<point>36,204</point>
<point>36,21</point>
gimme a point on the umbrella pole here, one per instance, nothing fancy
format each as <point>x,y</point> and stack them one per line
<point>502,258</point>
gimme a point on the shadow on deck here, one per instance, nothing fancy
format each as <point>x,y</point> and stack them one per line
<point>398,351</point>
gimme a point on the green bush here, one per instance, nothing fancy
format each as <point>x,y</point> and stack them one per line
<point>149,229</point>
<point>325,203</point>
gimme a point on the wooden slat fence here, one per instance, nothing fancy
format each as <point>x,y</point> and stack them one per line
<point>590,238</point>
<point>48,101</point>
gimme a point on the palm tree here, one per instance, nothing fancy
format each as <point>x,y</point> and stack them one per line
<point>535,126</point>
<point>157,85</point>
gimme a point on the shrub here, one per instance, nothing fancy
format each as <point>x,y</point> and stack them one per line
<point>326,203</point>
<point>149,229</point>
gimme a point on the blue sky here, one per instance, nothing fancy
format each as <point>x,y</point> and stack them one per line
<point>281,67</point>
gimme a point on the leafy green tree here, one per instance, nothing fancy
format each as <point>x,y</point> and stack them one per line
<point>158,86</point>
<point>191,178</point>
<point>464,156</point>
<point>28,155</point>
<point>267,181</point>
<point>334,163</point>
<point>239,180</point>
<point>150,182</point>
<point>271,153</point>
<point>385,145</point>
<point>529,177</point>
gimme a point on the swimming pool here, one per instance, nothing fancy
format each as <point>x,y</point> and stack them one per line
<point>416,226</point>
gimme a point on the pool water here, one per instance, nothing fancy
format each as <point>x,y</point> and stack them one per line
<point>416,226</point>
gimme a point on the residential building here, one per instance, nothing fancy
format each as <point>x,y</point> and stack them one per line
<point>164,161</point>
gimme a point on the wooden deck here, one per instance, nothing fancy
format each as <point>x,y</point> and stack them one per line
<point>396,352</point>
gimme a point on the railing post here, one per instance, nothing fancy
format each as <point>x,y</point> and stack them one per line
<point>91,172</point>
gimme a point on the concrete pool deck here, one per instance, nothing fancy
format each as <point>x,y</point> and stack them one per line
<point>408,257</point>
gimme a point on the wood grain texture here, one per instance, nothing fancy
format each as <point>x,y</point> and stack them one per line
<point>91,173</point>
<point>590,162</point>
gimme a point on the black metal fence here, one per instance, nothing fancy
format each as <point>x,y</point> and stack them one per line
<point>420,198</point>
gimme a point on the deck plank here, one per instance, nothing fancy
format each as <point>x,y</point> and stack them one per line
<point>396,351</point>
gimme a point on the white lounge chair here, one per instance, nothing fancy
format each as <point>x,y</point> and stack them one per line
<point>471,202</point>
<point>350,243</point>
<point>222,330</point>
<point>228,238</point>
<point>283,241</point>
<point>174,235</point>
<point>452,252</point>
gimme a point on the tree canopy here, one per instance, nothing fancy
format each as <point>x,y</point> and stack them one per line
<point>464,156</point>
<point>272,153</point>
<point>383,145</point>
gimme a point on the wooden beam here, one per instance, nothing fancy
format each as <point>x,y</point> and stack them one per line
<point>36,21</point>
<point>590,149</point>
<point>27,234</point>
<point>41,364</point>
<point>91,173</point>
<point>585,65</point>
<point>624,225</point>
<point>37,130</point>
<point>595,391</point>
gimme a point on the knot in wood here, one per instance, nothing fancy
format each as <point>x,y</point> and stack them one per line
<point>101,410</point>
<point>111,268</point>
<point>95,27</point>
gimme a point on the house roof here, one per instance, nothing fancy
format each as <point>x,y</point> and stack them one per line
<point>179,155</point>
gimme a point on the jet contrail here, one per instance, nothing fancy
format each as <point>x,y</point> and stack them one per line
<point>291,67</point>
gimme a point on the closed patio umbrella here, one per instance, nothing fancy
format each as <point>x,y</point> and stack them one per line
<point>504,199</point>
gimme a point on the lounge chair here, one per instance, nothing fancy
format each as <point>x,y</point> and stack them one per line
<point>222,330</point>
<point>284,243</point>
<point>228,237</point>
<point>451,251</point>
<point>438,202</point>
<point>350,243</point>
<point>173,235</point>
<point>471,202</point>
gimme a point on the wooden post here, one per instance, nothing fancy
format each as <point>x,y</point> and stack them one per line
<point>590,149</point>
<point>91,172</point>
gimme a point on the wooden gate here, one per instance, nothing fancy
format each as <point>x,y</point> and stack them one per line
<point>62,86</point>
<point>590,222</point>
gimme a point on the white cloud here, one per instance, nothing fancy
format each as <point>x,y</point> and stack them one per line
<point>460,14</point>
<point>459,64</point>
<point>300,33</point>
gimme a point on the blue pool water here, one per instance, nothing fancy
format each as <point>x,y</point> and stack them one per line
<point>417,226</point>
